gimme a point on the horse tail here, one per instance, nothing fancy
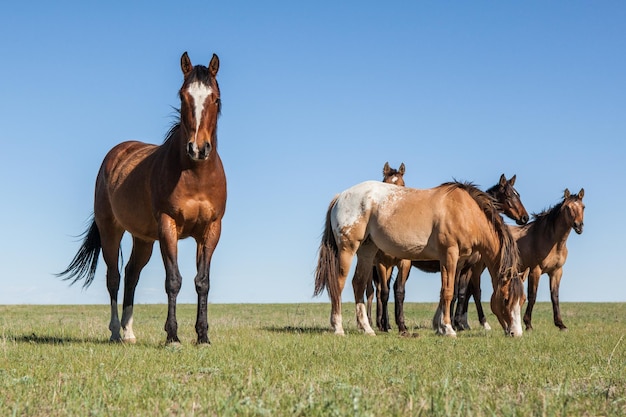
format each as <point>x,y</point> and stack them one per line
<point>328,261</point>
<point>84,264</point>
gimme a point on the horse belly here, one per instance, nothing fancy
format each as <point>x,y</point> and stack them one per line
<point>404,245</point>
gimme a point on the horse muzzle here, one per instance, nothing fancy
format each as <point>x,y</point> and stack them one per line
<point>522,220</point>
<point>198,153</point>
<point>578,227</point>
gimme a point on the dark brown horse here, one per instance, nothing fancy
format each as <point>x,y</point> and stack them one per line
<point>163,193</point>
<point>384,264</point>
<point>507,201</point>
<point>542,247</point>
<point>455,220</point>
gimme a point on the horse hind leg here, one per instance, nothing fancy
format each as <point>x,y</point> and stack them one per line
<point>555,282</point>
<point>111,238</point>
<point>139,257</point>
<point>363,274</point>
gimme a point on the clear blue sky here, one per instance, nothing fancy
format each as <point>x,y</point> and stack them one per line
<point>317,96</point>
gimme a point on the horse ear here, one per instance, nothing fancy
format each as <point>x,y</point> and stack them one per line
<point>401,169</point>
<point>512,180</point>
<point>185,64</point>
<point>386,169</point>
<point>214,65</point>
<point>581,193</point>
<point>566,194</point>
<point>502,180</point>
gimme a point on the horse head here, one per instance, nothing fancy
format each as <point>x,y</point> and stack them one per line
<point>574,209</point>
<point>393,176</point>
<point>200,107</point>
<point>508,200</point>
<point>507,300</point>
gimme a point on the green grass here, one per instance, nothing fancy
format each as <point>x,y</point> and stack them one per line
<point>282,360</point>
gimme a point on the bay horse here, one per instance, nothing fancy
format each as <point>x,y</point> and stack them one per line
<point>508,202</point>
<point>165,193</point>
<point>543,250</point>
<point>446,223</point>
<point>384,264</point>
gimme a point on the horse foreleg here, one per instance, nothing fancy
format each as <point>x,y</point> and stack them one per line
<point>202,280</point>
<point>369,293</point>
<point>533,283</point>
<point>461,296</point>
<point>382,296</point>
<point>555,282</point>
<point>168,240</point>
<point>448,273</point>
<point>475,290</point>
<point>139,257</point>
<point>404,268</point>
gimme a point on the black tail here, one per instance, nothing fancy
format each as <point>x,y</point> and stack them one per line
<point>84,264</point>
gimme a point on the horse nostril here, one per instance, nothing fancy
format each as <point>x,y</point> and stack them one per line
<point>191,148</point>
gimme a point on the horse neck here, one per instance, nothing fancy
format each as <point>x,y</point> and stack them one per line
<point>174,156</point>
<point>555,232</point>
<point>500,252</point>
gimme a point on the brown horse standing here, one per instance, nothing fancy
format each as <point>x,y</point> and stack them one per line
<point>446,223</point>
<point>542,247</point>
<point>384,264</point>
<point>163,193</point>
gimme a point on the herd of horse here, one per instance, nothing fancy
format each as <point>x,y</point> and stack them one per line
<point>178,190</point>
<point>388,226</point>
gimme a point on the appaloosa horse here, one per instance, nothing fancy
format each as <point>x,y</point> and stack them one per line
<point>165,193</point>
<point>455,220</point>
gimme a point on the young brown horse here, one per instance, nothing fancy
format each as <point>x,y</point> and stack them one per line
<point>446,223</point>
<point>543,250</point>
<point>384,264</point>
<point>163,193</point>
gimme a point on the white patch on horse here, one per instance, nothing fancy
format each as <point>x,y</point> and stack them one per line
<point>199,92</point>
<point>394,179</point>
<point>355,201</point>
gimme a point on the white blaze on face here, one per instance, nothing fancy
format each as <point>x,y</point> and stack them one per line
<point>516,323</point>
<point>199,92</point>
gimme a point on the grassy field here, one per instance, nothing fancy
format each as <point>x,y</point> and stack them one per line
<point>281,360</point>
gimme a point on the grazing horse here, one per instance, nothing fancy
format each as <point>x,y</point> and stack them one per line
<point>384,264</point>
<point>543,250</point>
<point>508,202</point>
<point>447,223</point>
<point>165,193</point>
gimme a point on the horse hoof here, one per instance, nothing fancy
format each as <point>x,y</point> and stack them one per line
<point>129,341</point>
<point>486,326</point>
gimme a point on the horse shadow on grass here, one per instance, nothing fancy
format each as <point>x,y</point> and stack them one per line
<point>36,339</point>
